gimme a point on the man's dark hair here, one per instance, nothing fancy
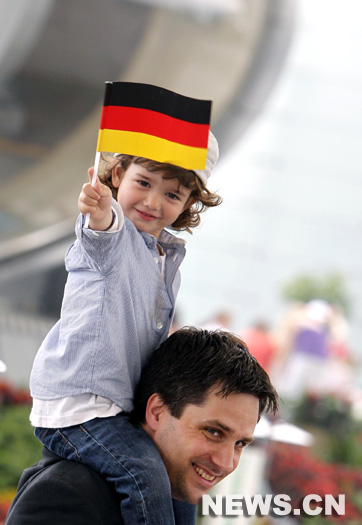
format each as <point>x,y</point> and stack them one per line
<point>193,362</point>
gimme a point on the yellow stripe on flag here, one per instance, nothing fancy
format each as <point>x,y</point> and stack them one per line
<point>151,147</point>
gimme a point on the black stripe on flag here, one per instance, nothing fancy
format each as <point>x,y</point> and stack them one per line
<point>147,96</point>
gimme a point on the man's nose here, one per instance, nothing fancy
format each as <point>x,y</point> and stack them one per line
<point>226,459</point>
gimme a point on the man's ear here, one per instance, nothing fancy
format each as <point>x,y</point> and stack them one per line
<point>116,176</point>
<point>154,410</point>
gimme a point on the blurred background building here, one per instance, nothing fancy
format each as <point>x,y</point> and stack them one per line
<point>284,76</point>
<point>54,59</point>
<point>279,262</point>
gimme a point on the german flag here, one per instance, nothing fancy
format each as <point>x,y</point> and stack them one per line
<point>155,123</point>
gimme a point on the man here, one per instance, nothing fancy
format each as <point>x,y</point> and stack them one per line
<point>199,399</point>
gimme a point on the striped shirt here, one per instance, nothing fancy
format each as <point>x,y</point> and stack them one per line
<point>118,306</point>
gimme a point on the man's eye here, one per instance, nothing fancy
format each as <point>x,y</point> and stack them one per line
<point>214,432</point>
<point>241,444</point>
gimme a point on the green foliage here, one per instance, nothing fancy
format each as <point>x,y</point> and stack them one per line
<point>326,411</point>
<point>334,417</point>
<point>19,448</point>
<point>330,287</point>
<point>345,449</point>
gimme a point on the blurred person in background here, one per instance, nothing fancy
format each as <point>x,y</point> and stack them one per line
<point>313,352</point>
<point>220,320</point>
<point>261,344</point>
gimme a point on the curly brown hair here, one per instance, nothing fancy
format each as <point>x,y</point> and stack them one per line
<point>189,218</point>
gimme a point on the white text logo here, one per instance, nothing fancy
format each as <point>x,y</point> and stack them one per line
<point>277,505</point>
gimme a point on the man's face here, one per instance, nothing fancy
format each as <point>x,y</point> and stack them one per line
<point>204,445</point>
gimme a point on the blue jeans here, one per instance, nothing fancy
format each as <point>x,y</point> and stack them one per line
<point>126,456</point>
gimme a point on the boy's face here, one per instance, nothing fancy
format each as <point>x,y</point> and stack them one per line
<point>149,201</point>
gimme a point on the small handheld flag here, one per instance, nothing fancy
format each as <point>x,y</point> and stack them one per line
<point>155,123</point>
<point>152,122</point>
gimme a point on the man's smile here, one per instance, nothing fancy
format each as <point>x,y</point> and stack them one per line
<point>203,474</point>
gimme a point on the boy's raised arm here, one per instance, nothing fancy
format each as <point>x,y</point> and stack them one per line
<point>97,201</point>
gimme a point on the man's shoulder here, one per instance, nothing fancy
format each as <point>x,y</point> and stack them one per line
<point>55,491</point>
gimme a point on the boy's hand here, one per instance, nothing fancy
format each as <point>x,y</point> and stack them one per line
<point>97,201</point>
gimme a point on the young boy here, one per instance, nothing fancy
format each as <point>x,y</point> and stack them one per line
<point>118,305</point>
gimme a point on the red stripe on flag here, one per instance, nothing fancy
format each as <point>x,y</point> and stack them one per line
<point>150,122</point>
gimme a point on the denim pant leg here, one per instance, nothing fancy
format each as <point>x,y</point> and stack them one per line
<point>127,457</point>
<point>185,513</point>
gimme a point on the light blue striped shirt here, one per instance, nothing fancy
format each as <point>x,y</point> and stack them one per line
<point>117,308</point>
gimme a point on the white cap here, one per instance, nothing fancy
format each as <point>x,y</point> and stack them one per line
<point>211,159</point>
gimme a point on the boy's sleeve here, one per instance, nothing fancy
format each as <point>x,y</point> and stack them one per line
<point>98,250</point>
<point>118,219</point>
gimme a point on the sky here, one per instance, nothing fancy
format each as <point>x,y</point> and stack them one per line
<point>291,185</point>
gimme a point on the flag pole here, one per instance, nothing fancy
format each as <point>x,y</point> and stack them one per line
<point>94,180</point>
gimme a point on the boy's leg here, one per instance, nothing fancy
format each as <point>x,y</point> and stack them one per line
<point>127,457</point>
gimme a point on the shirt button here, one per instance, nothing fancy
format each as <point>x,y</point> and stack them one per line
<point>159,325</point>
<point>155,259</point>
<point>95,234</point>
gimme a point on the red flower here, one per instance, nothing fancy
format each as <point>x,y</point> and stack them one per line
<point>296,472</point>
